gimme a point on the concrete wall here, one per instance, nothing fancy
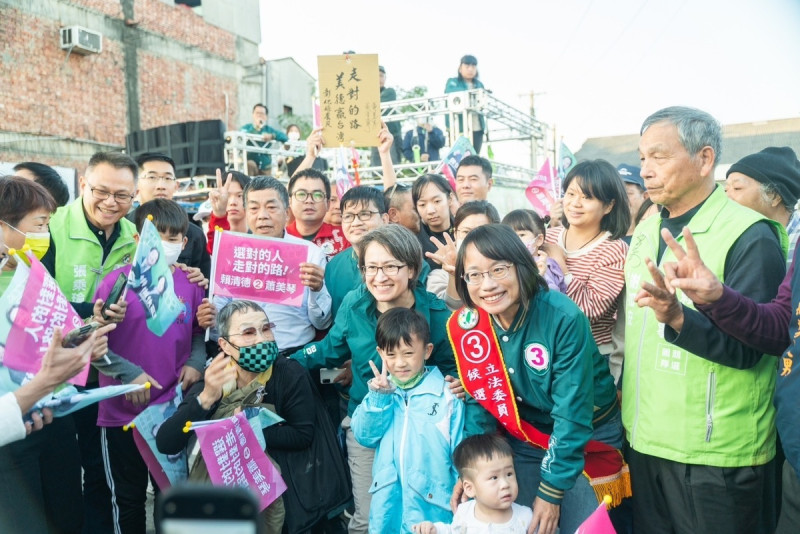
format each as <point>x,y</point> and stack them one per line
<point>288,84</point>
<point>160,64</point>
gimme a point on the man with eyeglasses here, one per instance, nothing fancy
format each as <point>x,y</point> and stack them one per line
<point>309,191</point>
<point>157,180</point>
<point>90,237</point>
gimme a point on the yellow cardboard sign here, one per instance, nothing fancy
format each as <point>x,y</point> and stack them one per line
<point>350,99</point>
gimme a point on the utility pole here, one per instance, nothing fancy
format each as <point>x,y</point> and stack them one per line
<point>531,102</point>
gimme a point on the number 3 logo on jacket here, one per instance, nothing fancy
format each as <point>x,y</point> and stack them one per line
<point>537,357</point>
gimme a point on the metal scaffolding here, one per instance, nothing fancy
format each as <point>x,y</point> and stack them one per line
<point>503,123</point>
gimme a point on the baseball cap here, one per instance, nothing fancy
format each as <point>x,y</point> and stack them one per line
<point>631,175</point>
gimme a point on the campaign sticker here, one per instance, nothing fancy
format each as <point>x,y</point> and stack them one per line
<point>537,357</point>
<point>467,318</point>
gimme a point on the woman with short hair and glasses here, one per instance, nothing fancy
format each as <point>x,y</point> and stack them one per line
<point>390,260</point>
<point>249,372</point>
<point>527,357</point>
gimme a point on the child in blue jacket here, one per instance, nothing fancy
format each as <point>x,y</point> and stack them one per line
<point>415,422</point>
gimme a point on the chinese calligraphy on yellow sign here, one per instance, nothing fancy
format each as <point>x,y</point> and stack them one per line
<point>350,102</point>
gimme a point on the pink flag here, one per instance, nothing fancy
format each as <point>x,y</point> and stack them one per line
<point>41,308</point>
<point>234,458</point>
<point>598,522</point>
<point>540,190</point>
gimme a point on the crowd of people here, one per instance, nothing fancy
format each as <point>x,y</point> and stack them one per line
<point>492,372</point>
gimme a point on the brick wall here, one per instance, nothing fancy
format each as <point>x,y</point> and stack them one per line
<point>45,93</point>
<point>171,91</point>
<point>82,97</point>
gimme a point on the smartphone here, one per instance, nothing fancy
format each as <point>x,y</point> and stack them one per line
<point>79,335</point>
<point>204,509</point>
<point>326,376</point>
<point>116,293</point>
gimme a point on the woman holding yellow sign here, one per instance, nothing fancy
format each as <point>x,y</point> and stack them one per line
<point>528,360</point>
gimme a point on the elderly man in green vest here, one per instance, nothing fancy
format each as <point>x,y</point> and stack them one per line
<point>697,403</point>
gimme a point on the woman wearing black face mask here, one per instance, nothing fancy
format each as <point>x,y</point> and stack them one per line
<point>248,372</point>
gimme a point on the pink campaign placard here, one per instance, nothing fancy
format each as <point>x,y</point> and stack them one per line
<point>258,268</point>
<point>43,308</point>
<point>234,458</point>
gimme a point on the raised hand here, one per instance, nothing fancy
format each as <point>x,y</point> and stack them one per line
<point>689,273</point>
<point>445,254</point>
<point>219,195</point>
<point>381,381</point>
<point>660,298</point>
<point>219,374</point>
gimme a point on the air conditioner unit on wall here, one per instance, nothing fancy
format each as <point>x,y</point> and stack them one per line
<point>81,41</point>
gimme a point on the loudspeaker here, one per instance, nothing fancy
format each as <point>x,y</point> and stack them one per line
<point>198,147</point>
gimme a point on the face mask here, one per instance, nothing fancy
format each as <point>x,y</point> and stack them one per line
<point>171,251</point>
<point>294,136</point>
<point>531,246</point>
<point>259,357</point>
<point>39,243</point>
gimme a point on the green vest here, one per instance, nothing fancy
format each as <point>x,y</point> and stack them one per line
<point>79,256</point>
<point>675,404</point>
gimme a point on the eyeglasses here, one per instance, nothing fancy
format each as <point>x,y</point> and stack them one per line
<point>301,195</point>
<point>498,272</point>
<point>388,270</point>
<point>169,178</point>
<point>362,216</point>
<point>251,333</point>
<point>102,194</point>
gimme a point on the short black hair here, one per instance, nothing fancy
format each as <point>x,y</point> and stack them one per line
<point>118,160</point>
<point>499,242</point>
<point>239,177</point>
<point>400,324</point>
<point>599,179</point>
<point>260,183</point>
<point>168,216</point>
<point>525,220</point>
<point>393,195</point>
<point>313,174</point>
<point>476,207</point>
<point>438,180</point>
<point>259,105</point>
<point>141,159</point>
<point>477,447</point>
<point>20,196</point>
<point>48,178</point>
<point>477,161</point>
<point>363,195</point>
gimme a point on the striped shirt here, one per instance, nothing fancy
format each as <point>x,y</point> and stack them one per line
<point>597,280</point>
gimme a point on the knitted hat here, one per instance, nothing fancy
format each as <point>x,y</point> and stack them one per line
<point>776,166</point>
<point>631,175</point>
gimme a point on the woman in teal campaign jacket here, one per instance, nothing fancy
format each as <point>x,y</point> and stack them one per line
<point>561,383</point>
<point>468,79</point>
<point>390,259</point>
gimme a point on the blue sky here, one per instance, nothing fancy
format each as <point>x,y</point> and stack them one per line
<point>598,67</point>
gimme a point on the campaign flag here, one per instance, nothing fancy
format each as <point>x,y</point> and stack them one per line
<point>599,522</point>
<point>540,190</point>
<point>68,399</point>
<point>234,458</point>
<point>566,160</point>
<point>150,279</point>
<point>341,176</point>
<point>259,268</point>
<point>31,308</point>
<point>167,469</point>
<point>449,165</point>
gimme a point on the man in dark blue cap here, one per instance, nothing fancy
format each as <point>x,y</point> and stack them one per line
<point>634,187</point>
